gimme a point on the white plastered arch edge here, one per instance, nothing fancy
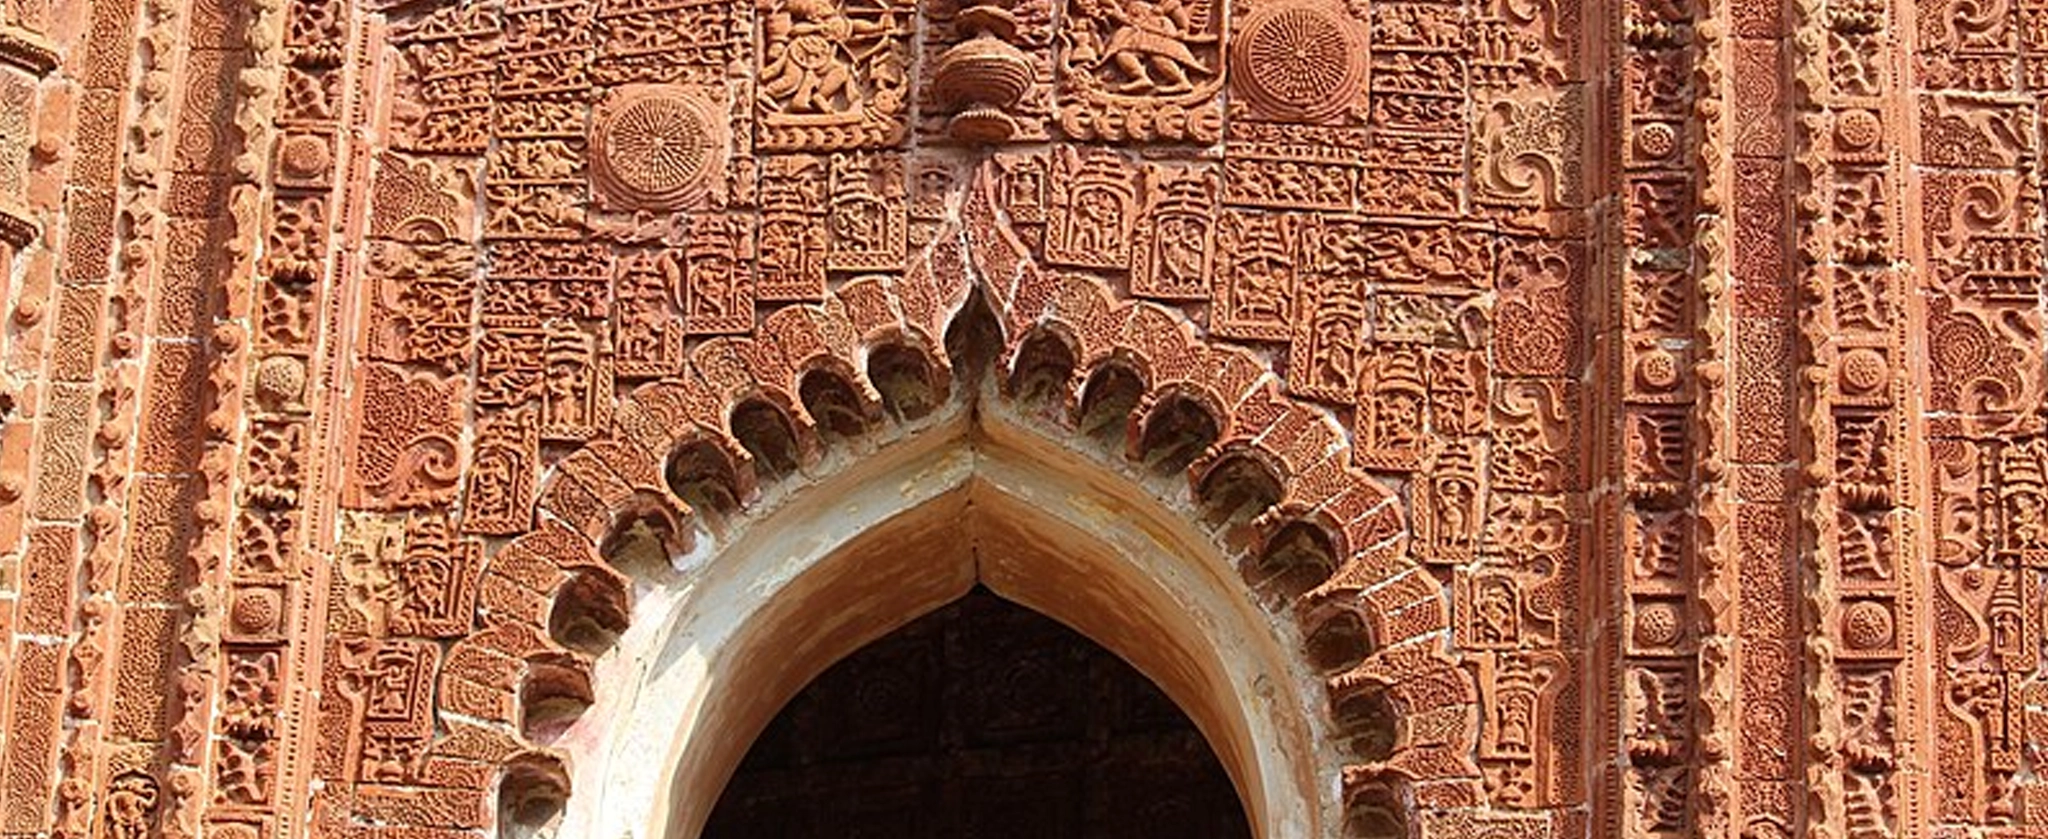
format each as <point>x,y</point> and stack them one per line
<point>715,650</point>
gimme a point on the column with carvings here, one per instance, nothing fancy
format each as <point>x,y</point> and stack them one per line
<point>1746,101</point>
<point>1863,566</point>
<point>36,608</point>
<point>1665,586</point>
<point>27,59</point>
<point>100,637</point>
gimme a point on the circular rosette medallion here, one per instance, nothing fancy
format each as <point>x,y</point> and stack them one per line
<point>656,147</point>
<point>1298,59</point>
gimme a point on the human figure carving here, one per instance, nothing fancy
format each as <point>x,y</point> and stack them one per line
<point>131,801</point>
<point>1153,34</point>
<point>1149,45</point>
<point>709,285</point>
<point>812,48</point>
<point>1496,608</point>
<point>1100,217</point>
<point>1516,720</point>
<point>490,488</point>
<point>1335,364</point>
<point>390,685</point>
<point>1183,251</point>
<point>1453,497</point>
<point>860,224</point>
<point>564,386</point>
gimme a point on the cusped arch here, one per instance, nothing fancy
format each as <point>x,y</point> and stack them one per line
<point>1372,589</point>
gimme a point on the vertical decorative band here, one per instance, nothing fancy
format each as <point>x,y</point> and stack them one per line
<point>1974,99</point>
<point>1715,596</point>
<point>1664,384</point>
<point>1757,320</point>
<point>1863,689</point>
<point>1810,173</point>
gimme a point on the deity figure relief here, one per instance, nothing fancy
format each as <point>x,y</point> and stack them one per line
<point>1149,44</point>
<point>1453,509</point>
<point>1495,605</point>
<point>710,282</point>
<point>1262,286</point>
<point>1136,69</point>
<point>2024,468</point>
<point>1175,241</point>
<point>1099,217</point>
<point>860,224</point>
<point>811,47</point>
<point>389,682</point>
<point>568,382</point>
<point>1093,206</point>
<point>130,806</point>
<point>825,62</point>
<point>1184,248</point>
<point>428,573</point>
<point>490,480</point>
<point>500,477</point>
<point>1335,367</point>
<point>641,330</point>
<point>1515,723</point>
<point>1397,420</point>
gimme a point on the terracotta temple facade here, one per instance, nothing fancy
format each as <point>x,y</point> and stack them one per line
<point>1504,419</point>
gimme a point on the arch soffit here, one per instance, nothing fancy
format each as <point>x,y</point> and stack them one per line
<point>1401,605</point>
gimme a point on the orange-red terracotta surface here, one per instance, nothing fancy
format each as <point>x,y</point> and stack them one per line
<point>1692,480</point>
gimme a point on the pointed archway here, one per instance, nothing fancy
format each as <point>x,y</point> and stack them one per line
<point>987,719</point>
<point>723,638</point>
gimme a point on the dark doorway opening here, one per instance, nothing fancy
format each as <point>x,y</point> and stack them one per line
<point>983,719</point>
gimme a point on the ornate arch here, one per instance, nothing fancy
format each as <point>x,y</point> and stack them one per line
<point>1379,620</point>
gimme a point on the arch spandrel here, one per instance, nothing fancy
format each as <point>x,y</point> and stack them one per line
<point>1232,340</point>
<point>582,501</point>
